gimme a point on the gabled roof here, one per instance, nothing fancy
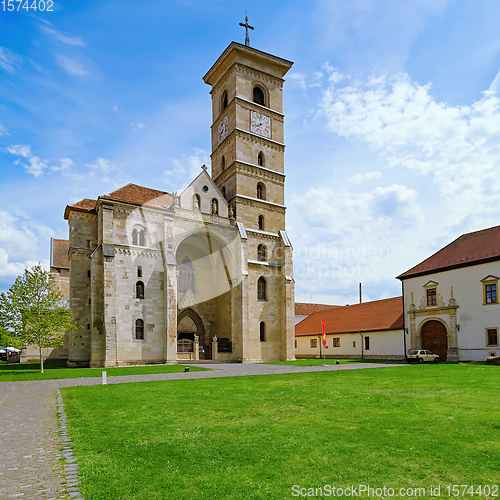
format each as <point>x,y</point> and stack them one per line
<point>60,254</point>
<point>385,314</point>
<point>131,194</point>
<point>305,308</point>
<point>469,249</point>
<point>139,195</point>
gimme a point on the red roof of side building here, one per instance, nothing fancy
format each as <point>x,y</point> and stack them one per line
<point>305,308</point>
<point>469,249</point>
<point>131,194</point>
<point>385,314</point>
<point>60,254</point>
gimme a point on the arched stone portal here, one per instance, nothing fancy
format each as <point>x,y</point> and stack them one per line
<point>205,290</point>
<point>435,338</point>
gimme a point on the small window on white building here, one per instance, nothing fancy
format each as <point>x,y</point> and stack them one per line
<point>491,337</point>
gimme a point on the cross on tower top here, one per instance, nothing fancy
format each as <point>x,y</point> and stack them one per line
<point>247,27</point>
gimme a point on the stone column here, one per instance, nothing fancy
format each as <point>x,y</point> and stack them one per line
<point>415,342</point>
<point>196,348</point>
<point>215,350</point>
<point>452,354</point>
<point>171,320</point>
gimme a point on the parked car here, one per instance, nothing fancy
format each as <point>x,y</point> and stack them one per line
<point>421,355</point>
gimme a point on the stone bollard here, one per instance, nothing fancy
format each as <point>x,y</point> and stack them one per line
<point>104,378</point>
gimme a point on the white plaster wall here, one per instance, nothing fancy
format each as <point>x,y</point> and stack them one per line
<point>473,317</point>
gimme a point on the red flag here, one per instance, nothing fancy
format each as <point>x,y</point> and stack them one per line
<point>324,334</point>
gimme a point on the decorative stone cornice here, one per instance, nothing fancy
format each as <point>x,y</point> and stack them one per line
<point>259,74</point>
<point>81,215</point>
<point>256,203</point>
<point>202,218</point>
<point>263,234</point>
<point>80,252</point>
<point>253,106</point>
<point>258,139</point>
<point>125,250</point>
<point>251,170</point>
<point>432,311</point>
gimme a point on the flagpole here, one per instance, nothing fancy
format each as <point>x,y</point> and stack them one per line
<point>324,342</point>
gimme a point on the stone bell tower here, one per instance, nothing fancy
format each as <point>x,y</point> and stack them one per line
<point>248,168</point>
<point>247,134</point>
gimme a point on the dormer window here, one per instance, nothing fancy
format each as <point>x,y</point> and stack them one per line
<point>258,96</point>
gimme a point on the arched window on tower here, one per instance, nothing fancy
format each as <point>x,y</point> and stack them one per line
<point>261,222</point>
<point>139,329</point>
<point>223,163</point>
<point>142,238</point>
<point>261,253</point>
<point>258,96</point>
<point>215,207</point>
<point>260,160</point>
<point>135,237</point>
<point>262,331</point>
<point>224,192</point>
<point>139,271</point>
<point>224,100</point>
<point>139,290</point>
<point>186,276</point>
<point>261,289</point>
<point>261,191</point>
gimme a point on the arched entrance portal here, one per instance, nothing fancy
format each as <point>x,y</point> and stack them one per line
<point>189,326</point>
<point>435,338</point>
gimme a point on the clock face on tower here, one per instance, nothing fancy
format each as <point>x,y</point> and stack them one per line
<point>260,124</point>
<point>222,129</point>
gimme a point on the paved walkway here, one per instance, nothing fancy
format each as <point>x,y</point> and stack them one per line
<point>31,450</point>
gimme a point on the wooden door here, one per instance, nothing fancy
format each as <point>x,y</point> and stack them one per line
<point>435,338</point>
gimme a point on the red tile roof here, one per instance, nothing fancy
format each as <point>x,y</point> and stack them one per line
<point>132,194</point>
<point>139,195</point>
<point>304,308</point>
<point>60,254</point>
<point>84,205</point>
<point>469,249</point>
<point>385,314</point>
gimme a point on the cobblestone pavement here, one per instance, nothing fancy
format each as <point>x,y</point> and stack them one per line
<point>31,449</point>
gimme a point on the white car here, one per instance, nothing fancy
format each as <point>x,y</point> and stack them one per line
<point>421,355</point>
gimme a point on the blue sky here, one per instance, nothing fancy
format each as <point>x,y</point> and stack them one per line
<point>392,122</point>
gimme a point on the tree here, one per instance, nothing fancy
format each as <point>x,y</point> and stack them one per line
<point>34,312</point>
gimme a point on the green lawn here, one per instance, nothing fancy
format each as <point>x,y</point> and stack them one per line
<point>256,437</point>
<point>28,371</point>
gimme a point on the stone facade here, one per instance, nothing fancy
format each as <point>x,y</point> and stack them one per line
<point>158,277</point>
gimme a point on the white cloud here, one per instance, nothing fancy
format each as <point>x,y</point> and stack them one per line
<point>108,172</point>
<point>185,169</point>
<point>36,166</point>
<point>8,59</point>
<point>66,164</point>
<point>299,78</point>
<point>70,40</point>
<point>367,176</point>
<point>19,242</point>
<point>457,146</point>
<point>72,67</point>
<point>342,237</point>
<point>3,130</point>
